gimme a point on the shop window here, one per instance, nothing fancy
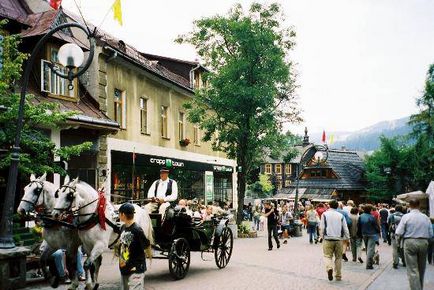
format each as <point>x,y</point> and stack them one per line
<point>287,183</point>
<point>144,116</point>
<point>278,169</point>
<point>164,129</point>
<point>120,108</point>
<point>196,135</point>
<point>52,83</point>
<point>181,126</point>
<point>288,169</point>
<point>267,168</point>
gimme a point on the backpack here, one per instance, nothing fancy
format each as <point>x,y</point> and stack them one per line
<point>396,218</point>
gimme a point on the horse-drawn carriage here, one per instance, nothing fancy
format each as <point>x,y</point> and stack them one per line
<point>179,234</point>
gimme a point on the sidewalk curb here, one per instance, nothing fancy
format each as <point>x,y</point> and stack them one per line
<point>375,276</point>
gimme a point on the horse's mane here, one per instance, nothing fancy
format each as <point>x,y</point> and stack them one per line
<point>85,186</point>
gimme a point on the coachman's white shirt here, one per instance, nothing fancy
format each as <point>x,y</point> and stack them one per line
<point>162,189</point>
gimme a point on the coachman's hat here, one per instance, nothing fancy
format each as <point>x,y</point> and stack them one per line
<point>164,169</point>
<point>127,208</point>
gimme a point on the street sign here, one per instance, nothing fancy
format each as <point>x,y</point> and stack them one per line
<point>209,186</point>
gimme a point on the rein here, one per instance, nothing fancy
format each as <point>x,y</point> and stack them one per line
<point>39,189</point>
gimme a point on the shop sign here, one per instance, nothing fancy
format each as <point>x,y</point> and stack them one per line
<point>169,163</point>
<point>209,186</point>
<point>222,168</point>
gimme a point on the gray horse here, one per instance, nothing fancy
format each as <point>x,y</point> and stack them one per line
<point>39,197</point>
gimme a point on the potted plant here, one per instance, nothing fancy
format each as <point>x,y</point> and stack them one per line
<point>184,142</point>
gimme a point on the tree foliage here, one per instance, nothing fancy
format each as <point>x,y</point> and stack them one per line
<point>262,188</point>
<point>250,91</point>
<point>37,150</point>
<point>400,167</point>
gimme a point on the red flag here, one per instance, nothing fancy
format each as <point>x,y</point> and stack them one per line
<point>323,136</point>
<point>55,3</point>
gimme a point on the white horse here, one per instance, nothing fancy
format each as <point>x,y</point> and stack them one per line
<point>81,198</point>
<point>39,197</point>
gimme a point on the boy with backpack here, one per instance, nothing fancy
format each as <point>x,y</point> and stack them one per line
<point>132,244</point>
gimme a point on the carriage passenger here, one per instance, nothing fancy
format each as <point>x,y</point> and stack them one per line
<point>208,214</point>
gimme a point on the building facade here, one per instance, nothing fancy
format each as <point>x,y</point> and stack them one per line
<point>130,106</point>
<point>341,176</point>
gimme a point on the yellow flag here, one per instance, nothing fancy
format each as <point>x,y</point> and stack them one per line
<point>331,139</point>
<point>117,11</point>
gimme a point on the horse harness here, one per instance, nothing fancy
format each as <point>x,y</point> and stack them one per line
<point>37,192</point>
<point>94,218</point>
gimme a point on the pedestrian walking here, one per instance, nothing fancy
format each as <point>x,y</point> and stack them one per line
<point>272,217</point>
<point>312,223</point>
<point>384,214</point>
<point>333,229</point>
<point>368,229</point>
<point>416,229</point>
<point>346,215</point>
<point>431,246</point>
<point>393,221</point>
<point>285,225</point>
<point>132,243</point>
<point>355,241</point>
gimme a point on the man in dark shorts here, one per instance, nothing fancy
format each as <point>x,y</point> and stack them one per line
<point>272,216</point>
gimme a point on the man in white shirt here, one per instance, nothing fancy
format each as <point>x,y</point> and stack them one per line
<point>163,191</point>
<point>333,230</point>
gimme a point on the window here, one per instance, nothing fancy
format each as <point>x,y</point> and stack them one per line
<point>287,183</point>
<point>196,135</point>
<point>144,116</point>
<point>164,131</point>
<point>120,108</point>
<point>52,83</point>
<point>267,168</point>
<point>288,169</point>
<point>181,126</point>
<point>278,169</point>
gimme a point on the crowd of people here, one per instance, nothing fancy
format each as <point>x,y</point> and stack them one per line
<point>344,227</point>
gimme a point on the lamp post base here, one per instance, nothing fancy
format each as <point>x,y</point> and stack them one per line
<point>13,267</point>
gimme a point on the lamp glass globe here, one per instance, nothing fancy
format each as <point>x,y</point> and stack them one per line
<point>70,55</point>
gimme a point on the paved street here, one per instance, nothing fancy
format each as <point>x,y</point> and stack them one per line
<point>297,265</point>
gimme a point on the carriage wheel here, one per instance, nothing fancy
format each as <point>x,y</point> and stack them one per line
<point>223,250</point>
<point>179,258</point>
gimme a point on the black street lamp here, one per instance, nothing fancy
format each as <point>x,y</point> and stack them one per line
<point>320,153</point>
<point>70,56</point>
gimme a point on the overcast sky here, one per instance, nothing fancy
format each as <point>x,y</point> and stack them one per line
<point>359,61</point>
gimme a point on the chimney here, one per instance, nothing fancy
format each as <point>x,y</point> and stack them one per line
<point>306,138</point>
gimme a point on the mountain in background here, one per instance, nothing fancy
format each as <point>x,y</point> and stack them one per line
<point>366,139</point>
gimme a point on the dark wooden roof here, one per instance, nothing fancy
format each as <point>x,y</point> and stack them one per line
<point>349,168</point>
<point>13,10</point>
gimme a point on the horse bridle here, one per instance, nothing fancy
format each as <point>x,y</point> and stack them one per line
<point>39,189</point>
<point>69,196</point>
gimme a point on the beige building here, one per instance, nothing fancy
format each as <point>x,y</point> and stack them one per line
<point>145,94</point>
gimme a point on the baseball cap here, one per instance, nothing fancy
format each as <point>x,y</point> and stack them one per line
<point>127,208</point>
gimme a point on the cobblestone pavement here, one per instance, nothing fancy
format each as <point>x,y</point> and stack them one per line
<point>296,265</point>
<point>396,279</point>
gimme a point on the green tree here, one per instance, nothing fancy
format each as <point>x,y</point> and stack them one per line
<point>387,169</point>
<point>262,188</point>
<point>37,150</point>
<point>250,85</point>
<point>423,121</point>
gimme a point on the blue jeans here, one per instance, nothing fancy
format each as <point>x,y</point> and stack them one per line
<point>370,249</point>
<point>311,229</point>
<point>384,231</point>
<point>58,260</point>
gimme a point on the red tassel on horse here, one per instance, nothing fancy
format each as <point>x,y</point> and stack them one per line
<point>101,209</point>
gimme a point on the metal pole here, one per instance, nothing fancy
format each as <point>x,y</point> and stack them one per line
<point>6,238</point>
